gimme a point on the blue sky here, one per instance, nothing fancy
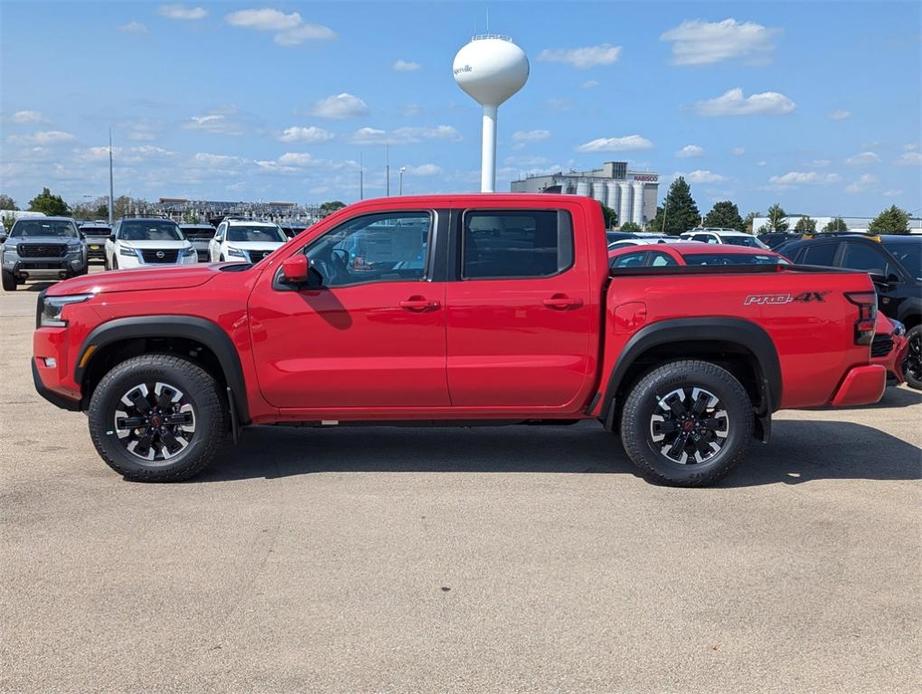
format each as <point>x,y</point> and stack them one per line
<point>813,104</point>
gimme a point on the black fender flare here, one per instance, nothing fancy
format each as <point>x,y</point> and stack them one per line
<point>676,331</point>
<point>909,307</point>
<point>210,334</point>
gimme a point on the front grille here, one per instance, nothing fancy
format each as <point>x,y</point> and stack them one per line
<point>256,256</point>
<point>96,233</point>
<point>159,256</point>
<point>881,345</point>
<point>45,250</point>
<point>198,235</point>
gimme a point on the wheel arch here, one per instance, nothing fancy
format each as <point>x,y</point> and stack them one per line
<point>122,338</point>
<point>910,313</point>
<point>739,345</point>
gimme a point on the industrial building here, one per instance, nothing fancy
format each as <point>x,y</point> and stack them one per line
<point>631,194</point>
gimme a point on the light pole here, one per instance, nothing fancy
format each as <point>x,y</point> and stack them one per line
<point>400,180</point>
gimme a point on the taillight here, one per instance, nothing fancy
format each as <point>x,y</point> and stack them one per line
<point>867,315</point>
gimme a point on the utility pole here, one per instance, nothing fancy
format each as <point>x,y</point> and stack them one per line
<point>111,187</point>
<point>400,185</point>
<point>387,172</point>
<point>361,176</point>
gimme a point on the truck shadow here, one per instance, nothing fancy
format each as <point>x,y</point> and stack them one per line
<point>801,451</point>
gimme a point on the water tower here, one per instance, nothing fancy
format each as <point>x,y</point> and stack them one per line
<point>490,69</point>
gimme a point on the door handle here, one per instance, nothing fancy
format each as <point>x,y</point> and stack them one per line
<point>419,303</point>
<point>562,302</point>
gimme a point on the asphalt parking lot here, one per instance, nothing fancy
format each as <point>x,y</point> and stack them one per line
<point>515,559</point>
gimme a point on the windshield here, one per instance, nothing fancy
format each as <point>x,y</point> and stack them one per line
<point>34,228</point>
<point>910,256</point>
<point>734,259</point>
<point>749,241</point>
<point>149,230</point>
<point>256,234</point>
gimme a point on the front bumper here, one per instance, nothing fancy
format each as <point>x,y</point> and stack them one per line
<point>36,268</point>
<point>55,398</point>
<point>862,385</point>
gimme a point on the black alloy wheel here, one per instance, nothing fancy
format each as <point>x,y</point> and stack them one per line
<point>912,366</point>
<point>156,421</point>
<point>690,425</point>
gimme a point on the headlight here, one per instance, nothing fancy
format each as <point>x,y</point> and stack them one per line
<point>187,252</point>
<point>73,250</point>
<point>236,252</point>
<point>53,306</point>
<point>898,328</point>
<point>130,252</point>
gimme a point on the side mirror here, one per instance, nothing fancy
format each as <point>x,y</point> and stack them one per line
<point>112,238</point>
<point>296,269</point>
<point>2,237</point>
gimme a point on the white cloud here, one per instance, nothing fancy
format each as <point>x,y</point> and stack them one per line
<point>912,147</point>
<point>305,32</point>
<point>701,176</point>
<point>840,114</point>
<point>582,58</point>
<point>340,106</point>
<point>296,159</point>
<point>406,135</point>
<point>733,103</point>
<point>44,137</point>
<point>133,28</point>
<point>424,170</point>
<point>795,178</point>
<point>290,29</point>
<point>590,84</point>
<point>738,151</point>
<point>23,117</point>
<point>182,12</point>
<point>862,159</point>
<point>892,193</point>
<point>864,182</point>
<point>124,155</point>
<point>690,151</point>
<point>910,158</point>
<point>217,123</point>
<point>615,144</point>
<point>696,42</point>
<point>309,134</point>
<point>523,136</point>
<point>216,160</point>
<point>401,65</point>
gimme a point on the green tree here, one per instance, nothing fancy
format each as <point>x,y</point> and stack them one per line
<point>836,224</point>
<point>679,213</point>
<point>893,220</point>
<point>102,211</point>
<point>630,226</point>
<point>724,214</point>
<point>331,207</point>
<point>805,224</point>
<point>52,205</point>
<point>776,218</point>
<point>611,217</point>
<point>7,203</point>
<point>747,223</point>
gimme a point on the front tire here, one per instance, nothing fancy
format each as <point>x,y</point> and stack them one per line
<point>912,367</point>
<point>687,423</point>
<point>9,282</point>
<point>157,418</point>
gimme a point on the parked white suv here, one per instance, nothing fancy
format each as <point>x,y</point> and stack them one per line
<point>245,241</point>
<point>140,242</point>
<point>716,235</point>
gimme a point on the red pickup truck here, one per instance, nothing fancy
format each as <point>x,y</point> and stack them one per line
<point>458,309</point>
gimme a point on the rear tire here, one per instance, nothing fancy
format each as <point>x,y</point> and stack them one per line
<point>9,282</point>
<point>157,418</point>
<point>912,366</point>
<point>687,423</point>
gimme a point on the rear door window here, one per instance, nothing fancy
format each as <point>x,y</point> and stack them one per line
<point>629,260</point>
<point>861,256</point>
<point>819,254</point>
<point>507,244</point>
<point>658,259</point>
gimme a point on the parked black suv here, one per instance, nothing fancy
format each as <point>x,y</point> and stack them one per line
<point>894,262</point>
<point>96,234</point>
